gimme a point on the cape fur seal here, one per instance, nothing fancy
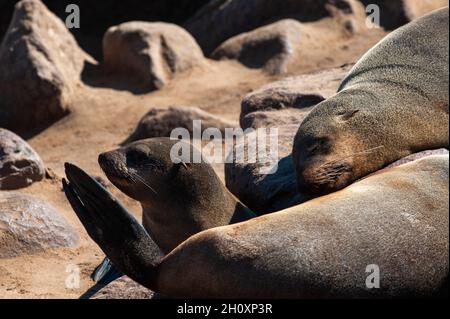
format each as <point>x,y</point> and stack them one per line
<point>396,220</point>
<point>178,200</point>
<point>394,102</point>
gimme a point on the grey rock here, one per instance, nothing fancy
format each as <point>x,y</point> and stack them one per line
<point>20,165</point>
<point>265,193</point>
<point>151,53</point>
<point>276,118</point>
<point>29,225</point>
<point>270,47</point>
<point>123,288</point>
<point>159,122</point>
<point>299,92</point>
<point>41,63</point>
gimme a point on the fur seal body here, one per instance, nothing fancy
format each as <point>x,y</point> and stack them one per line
<point>396,220</point>
<point>178,200</point>
<point>394,102</point>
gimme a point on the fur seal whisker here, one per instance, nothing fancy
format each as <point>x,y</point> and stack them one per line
<point>140,179</point>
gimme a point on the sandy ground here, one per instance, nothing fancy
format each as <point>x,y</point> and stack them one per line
<point>103,117</point>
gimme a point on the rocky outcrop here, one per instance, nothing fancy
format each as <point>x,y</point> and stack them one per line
<point>149,53</point>
<point>159,122</point>
<point>29,225</point>
<point>123,288</point>
<point>270,48</point>
<point>41,64</point>
<point>20,165</point>
<point>294,95</point>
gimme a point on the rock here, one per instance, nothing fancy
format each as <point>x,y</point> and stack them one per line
<point>219,20</point>
<point>41,63</point>
<point>275,118</point>
<point>123,288</point>
<point>265,193</point>
<point>270,47</point>
<point>20,165</point>
<point>159,122</point>
<point>298,92</point>
<point>29,225</point>
<point>151,53</point>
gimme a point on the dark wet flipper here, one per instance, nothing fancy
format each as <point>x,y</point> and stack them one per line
<point>99,199</point>
<point>83,214</point>
<point>118,233</point>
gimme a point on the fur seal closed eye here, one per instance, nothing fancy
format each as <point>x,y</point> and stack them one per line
<point>178,200</point>
<point>394,102</point>
<point>395,221</point>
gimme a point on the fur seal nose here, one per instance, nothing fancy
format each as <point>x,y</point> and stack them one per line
<point>104,160</point>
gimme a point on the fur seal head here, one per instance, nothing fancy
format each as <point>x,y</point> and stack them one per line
<point>145,171</point>
<point>330,149</point>
<point>178,198</point>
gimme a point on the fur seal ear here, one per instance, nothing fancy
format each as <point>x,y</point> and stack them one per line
<point>345,116</point>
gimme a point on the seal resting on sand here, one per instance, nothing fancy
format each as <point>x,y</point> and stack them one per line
<point>394,102</point>
<point>397,220</point>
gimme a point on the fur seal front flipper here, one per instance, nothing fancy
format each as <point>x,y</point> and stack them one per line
<point>108,223</point>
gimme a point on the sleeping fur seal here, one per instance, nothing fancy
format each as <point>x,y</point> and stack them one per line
<point>396,219</point>
<point>394,102</point>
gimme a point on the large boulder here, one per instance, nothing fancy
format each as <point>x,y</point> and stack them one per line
<point>29,225</point>
<point>295,96</point>
<point>150,53</point>
<point>250,182</point>
<point>270,47</point>
<point>41,63</point>
<point>123,288</point>
<point>20,165</point>
<point>219,20</point>
<point>159,122</point>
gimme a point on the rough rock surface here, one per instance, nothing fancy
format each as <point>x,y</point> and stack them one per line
<point>29,225</point>
<point>159,122</point>
<point>275,118</point>
<point>269,47</point>
<point>296,95</point>
<point>151,53</point>
<point>123,288</point>
<point>41,63</point>
<point>265,193</point>
<point>20,165</point>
